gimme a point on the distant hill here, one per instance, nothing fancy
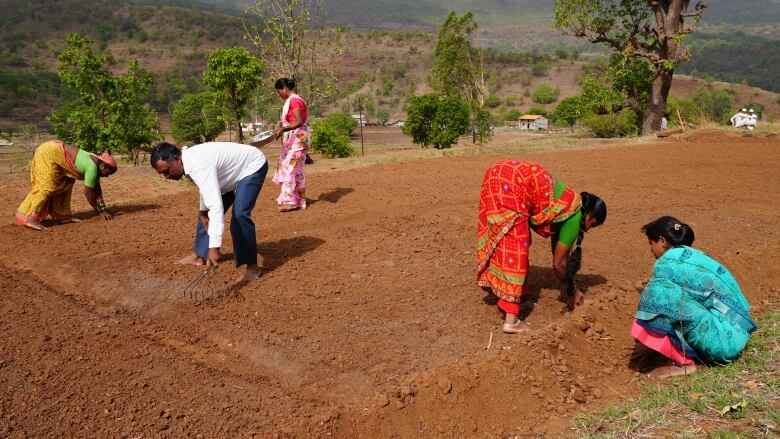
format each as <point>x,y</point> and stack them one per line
<point>507,18</point>
<point>382,66</point>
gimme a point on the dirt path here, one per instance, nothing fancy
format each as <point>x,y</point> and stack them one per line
<point>366,321</point>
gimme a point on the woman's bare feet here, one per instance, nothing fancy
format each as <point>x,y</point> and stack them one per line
<point>192,259</point>
<point>35,225</point>
<point>513,325</point>
<point>672,370</point>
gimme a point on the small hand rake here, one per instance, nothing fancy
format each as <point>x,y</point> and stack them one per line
<point>207,285</point>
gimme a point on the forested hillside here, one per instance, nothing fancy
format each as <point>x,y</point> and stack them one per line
<point>382,66</point>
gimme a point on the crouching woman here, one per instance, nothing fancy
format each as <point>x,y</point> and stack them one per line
<point>692,308</point>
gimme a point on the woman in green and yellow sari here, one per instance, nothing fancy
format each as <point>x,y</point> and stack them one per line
<point>54,169</point>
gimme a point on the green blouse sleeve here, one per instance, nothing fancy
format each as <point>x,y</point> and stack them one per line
<point>570,229</point>
<point>88,167</point>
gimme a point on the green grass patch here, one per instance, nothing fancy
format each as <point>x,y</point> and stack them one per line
<point>739,400</point>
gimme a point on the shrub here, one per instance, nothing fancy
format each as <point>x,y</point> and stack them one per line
<point>755,106</point>
<point>342,122</point>
<point>544,94</point>
<point>492,101</point>
<point>538,110</point>
<point>714,104</point>
<point>619,124</point>
<point>687,108</point>
<point>329,140</point>
<point>540,68</point>
<point>512,115</point>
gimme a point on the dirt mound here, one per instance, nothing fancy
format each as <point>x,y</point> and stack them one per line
<point>366,321</point>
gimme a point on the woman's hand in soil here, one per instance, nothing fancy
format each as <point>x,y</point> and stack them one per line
<point>106,215</point>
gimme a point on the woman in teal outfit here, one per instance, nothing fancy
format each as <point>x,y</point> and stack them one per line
<point>692,308</point>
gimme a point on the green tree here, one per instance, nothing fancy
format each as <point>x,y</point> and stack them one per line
<point>633,78</point>
<point>109,112</point>
<point>650,30</point>
<point>544,94</point>
<point>598,97</point>
<point>382,115</point>
<point>234,74</point>
<point>457,66</point>
<point>197,118</point>
<point>436,120</point>
<point>568,111</point>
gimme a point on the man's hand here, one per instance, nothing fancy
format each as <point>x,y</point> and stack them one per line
<point>204,218</point>
<point>212,260</point>
<point>107,215</point>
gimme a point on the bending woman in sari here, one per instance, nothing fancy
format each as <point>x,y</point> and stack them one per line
<point>517,197</point>
<point>692,308</point>
<point>54,169</point>
<point>296,140</point>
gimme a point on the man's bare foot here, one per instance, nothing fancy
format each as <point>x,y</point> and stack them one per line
<point>72,219</point>
<point>192,259</point>
<point>515,328</point>
<point>249,275</point>
<point>671,370</point>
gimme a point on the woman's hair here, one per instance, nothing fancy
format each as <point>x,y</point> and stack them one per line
<point>673,230</point>
<point>164,151</point>
<point>285,82</point>
<point>596,208</point>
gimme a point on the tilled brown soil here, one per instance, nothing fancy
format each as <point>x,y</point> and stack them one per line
<point>366,321</point>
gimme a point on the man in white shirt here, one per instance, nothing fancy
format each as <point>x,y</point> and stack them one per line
<point>752,119</point>
<point>739,120</point>
<point>226,174</point>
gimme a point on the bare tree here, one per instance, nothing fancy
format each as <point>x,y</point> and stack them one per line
<point>291,39</point>
<point>650,30</point>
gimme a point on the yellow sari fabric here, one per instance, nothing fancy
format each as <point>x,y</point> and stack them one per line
<point>52,175</point>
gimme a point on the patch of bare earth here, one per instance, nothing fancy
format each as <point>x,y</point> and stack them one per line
<point>366,321</point>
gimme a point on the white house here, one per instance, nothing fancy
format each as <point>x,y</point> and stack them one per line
<point>533,122</point>
<point>360,119</point>
<point>252,127</point>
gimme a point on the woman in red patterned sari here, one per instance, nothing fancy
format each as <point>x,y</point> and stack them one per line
<point>517,197</point>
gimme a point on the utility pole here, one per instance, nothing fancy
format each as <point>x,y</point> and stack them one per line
<point>360,122</point>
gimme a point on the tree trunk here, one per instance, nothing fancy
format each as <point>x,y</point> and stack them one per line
<point>656,105</point>
<point>240,131</point>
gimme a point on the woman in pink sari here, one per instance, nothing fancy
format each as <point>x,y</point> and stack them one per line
<point>296,140</point>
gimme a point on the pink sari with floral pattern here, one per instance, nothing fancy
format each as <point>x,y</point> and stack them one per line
<point>292,157</point>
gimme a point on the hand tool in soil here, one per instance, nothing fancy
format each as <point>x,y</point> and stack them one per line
<point>209,284</point>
